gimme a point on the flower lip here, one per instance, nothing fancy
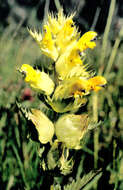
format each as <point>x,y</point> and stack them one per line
<point>103,85</point>
<point>94,39</point>
<point>83,90</point>
<point>72,24</point>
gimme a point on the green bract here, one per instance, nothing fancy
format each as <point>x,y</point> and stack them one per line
<point>71,128</point>
<point>43,125</point>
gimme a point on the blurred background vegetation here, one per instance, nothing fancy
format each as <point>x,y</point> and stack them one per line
<point>19,160</point>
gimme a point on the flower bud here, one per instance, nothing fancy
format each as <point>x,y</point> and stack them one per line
<point>43,125</point>
<point>71,128</point>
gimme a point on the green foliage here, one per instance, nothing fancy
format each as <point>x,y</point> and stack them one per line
<point>86,182</point>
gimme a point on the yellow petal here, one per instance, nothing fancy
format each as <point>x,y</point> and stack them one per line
<point>87,41</point>
<point>70,88</point>
<point>39,81</point>
<point>96,83</point>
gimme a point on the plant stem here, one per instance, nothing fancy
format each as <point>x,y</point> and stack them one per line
<point>21,167</point>
<point>113,55</point>
<point>95,18</point>
<point>46,9</point>
<point>96,134</point>
<point>106,33</point>
<point>114,154</point>
<point>57,3</point>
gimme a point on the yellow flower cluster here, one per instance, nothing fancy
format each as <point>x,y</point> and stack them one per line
<point>61,41</point>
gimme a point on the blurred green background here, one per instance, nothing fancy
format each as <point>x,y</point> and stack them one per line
<point>19,161</point>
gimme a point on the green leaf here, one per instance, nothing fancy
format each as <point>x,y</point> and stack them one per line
<point>85,183</point>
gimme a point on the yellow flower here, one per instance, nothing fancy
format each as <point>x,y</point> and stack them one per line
<point>70,87</point>
<point>70,129</point>
<point>78,86</point>
<point>61,42</point>
<point>60,25</point>
<point>39,81</point>
<point>56,22</point>
<point>48,44</point>
<point>96,83</point>
<point>45,42</point>
<point>87,41</point>
<point>67,61</point>
<point>69,33</point>
<point>73,54</point>
<point>54,31</point>
<point>43,125</point>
